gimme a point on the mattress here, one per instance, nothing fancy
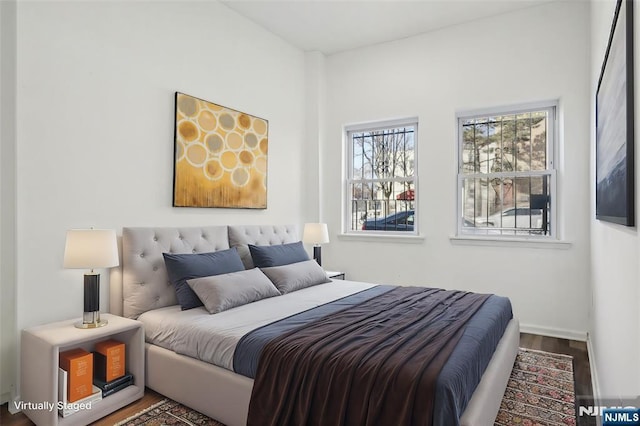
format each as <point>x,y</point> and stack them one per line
<point>213,338</point>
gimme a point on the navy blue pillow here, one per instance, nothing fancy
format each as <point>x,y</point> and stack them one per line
<point>183,267</point>
<point>278,255</point>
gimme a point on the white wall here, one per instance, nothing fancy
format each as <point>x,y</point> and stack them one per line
<point>315,116</point>
<point>8,344</point>
<point>615,250</point>
<point>541,53</point>
<point>96,83</point>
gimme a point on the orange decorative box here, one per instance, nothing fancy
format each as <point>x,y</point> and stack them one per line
<point>78,364</point>
<point>109,360</point>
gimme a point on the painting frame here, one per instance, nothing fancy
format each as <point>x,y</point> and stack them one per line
<point>615,174</point>
<point>220,156</point>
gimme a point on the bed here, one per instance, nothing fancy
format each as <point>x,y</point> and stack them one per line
<point>200,373</point>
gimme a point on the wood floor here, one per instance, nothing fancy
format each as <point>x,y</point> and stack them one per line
<point>150,397</point>
<point>530,341</point>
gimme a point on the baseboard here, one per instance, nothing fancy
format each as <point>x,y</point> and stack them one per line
<point>580,336</point>
<point>12,406</point>
<point>595,384</point>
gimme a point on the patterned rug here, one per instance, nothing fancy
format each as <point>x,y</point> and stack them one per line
<point>539,393</point>
<point>168,412</point>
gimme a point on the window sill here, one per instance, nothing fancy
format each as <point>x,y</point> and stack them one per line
<point>510,242</point>
<point>383,237</point>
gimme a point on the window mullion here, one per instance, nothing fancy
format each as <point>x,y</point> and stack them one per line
<point>502,175</point>
<point>395,180</point>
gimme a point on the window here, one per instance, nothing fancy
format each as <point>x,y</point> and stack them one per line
<point>506,175</point>
<point>381,191</point>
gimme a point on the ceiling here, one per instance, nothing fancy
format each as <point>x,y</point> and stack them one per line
<point>331,26</point>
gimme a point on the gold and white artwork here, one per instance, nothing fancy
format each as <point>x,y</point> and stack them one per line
<point>220,156</point>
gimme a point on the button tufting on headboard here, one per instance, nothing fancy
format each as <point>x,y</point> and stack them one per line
<point>259,235</point>
<point>145,284</point>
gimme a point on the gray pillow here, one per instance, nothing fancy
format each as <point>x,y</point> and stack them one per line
<point>221,292</point>
<point>296,276</point>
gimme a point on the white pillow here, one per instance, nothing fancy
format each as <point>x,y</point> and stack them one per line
<point>296,276</point>
<point>221,292</point>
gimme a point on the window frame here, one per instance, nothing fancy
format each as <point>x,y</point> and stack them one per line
<point>552,108</point>
<point>349,179</point>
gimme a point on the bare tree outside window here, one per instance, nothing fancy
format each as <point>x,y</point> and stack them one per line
<point>382,178</point>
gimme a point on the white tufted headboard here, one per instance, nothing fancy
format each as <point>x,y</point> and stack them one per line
<point>142,284</point>
<point>241,236</point>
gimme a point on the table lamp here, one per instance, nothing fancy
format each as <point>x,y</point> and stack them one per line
<point>89,249</point>
<point>316,234</point>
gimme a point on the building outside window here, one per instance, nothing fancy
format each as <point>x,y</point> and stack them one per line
<point>381,193</point>
<point>506,172</point>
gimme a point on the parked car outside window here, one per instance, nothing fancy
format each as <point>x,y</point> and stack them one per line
<point>520,217</point>
<point>399,221</point>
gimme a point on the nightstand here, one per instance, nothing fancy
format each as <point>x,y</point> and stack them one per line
<point>335,275</point>
<point>40,347</point>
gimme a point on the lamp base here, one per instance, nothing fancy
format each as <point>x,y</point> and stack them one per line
<point>99,323</point>
<point>91,320</point>
<point>317,254</point>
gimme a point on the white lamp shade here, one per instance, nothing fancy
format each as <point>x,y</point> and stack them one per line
<point>91,248</point>
<point>315,233</point>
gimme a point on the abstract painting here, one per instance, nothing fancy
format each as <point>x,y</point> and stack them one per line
<point>614,123</point>
<point>220,156</point>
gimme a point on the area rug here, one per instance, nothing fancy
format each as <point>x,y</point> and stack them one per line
<point>168,412</point>
<point>540,392</point>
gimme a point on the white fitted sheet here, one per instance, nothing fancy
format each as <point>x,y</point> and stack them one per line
<point>213,337</point>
